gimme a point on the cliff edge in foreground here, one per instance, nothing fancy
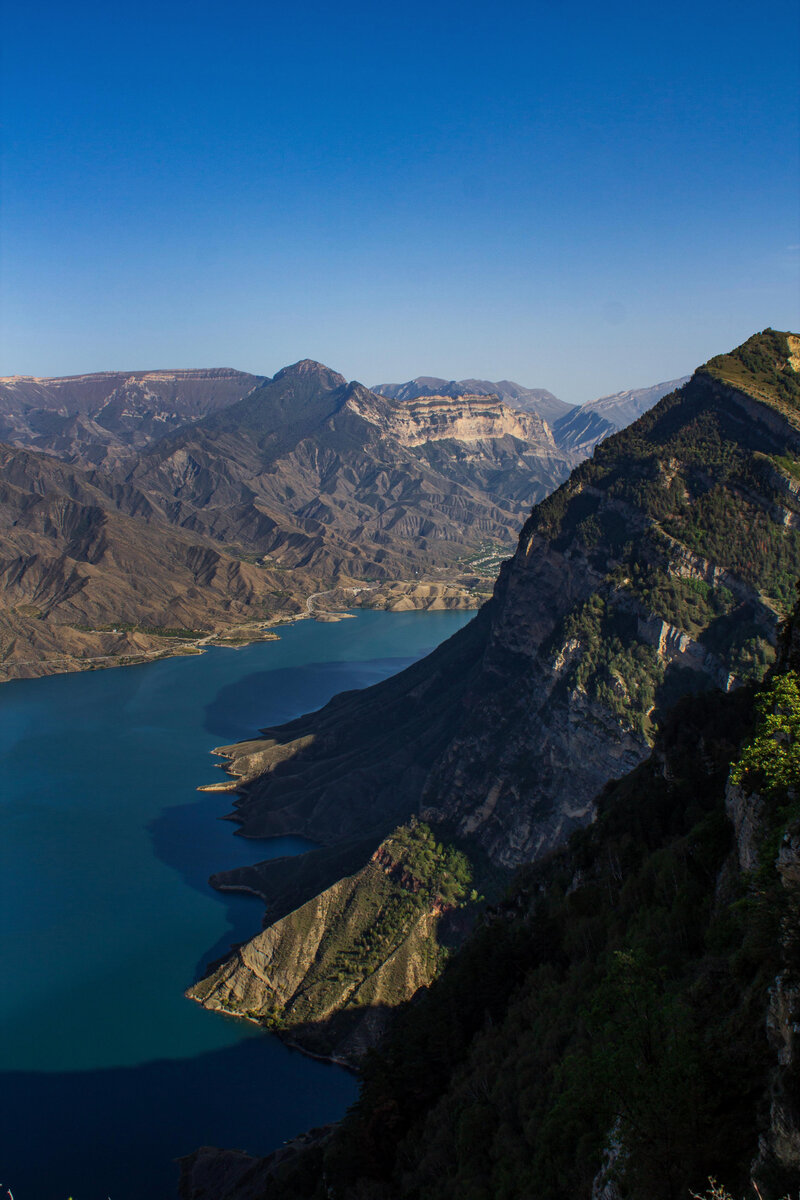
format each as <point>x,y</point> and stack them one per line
<point>624,1023</point>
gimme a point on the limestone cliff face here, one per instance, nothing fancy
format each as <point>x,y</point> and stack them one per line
<point>465,418</point>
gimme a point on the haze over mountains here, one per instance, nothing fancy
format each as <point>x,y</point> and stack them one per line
<point>101,418</point>
<point>186,503</point>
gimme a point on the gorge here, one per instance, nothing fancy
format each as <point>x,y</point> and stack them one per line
<point>482,858</point>
<point>153,513</point>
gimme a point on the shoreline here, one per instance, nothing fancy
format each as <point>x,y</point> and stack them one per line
<point>283,1035</point>
<point>238,635</point>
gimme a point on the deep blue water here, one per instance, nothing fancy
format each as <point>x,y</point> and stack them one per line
<point>107,1073</point>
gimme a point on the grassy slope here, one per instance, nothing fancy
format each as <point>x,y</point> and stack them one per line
<point>366,943</point>
<point>765,366</point>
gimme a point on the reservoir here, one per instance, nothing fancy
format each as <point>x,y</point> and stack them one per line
<point>107,1073</point>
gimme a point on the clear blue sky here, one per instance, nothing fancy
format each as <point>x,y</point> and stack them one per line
<point>579,196</point>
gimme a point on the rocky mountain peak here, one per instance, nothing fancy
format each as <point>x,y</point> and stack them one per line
<point>308,368</point>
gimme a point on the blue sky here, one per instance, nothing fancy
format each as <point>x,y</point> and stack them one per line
<point>581,197</point>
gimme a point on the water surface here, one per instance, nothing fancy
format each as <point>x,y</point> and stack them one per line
<point>106,1072</point>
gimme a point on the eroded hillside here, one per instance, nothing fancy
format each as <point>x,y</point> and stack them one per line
<point>252,506</point>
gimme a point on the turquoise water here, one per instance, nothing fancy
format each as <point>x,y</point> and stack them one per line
<point>106,1072</point>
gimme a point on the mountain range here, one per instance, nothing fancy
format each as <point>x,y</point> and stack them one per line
<point>101,418</point>
<point>573,743</point>
<point>575,427</point>
<point>147,513</point>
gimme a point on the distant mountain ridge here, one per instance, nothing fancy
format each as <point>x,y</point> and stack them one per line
<point>324,474</point>
<point>103,417</point>
<point>286,488</point>
<point>310,482</point>
<point>576,429</point>
<point>583,428</point>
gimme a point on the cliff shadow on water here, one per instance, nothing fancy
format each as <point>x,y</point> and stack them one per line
<point>91,1133</point>
<point>186,837</point>
<point>290,691</point>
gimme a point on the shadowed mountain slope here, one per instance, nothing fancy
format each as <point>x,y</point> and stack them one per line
<point>623,1024</point>
<point>626,1019</point>
<point>660,569</point>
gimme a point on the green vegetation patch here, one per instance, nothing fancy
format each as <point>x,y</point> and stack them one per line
<point>770,761</point>
<point>788,464</point>
<point>762,368</point>
<point>164,631</point>
<point>612,665</point>
<point>691,604</point>
<point>615,1000</point>
<point>730,530</point>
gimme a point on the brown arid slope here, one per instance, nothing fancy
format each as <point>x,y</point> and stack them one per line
<point>305,486</point>
<point>319,473</point>
<point>91,576</point>
<point>661,568</point>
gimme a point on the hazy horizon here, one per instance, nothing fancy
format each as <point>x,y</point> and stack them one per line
<point>138,371</point>
<point>582,200</point>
